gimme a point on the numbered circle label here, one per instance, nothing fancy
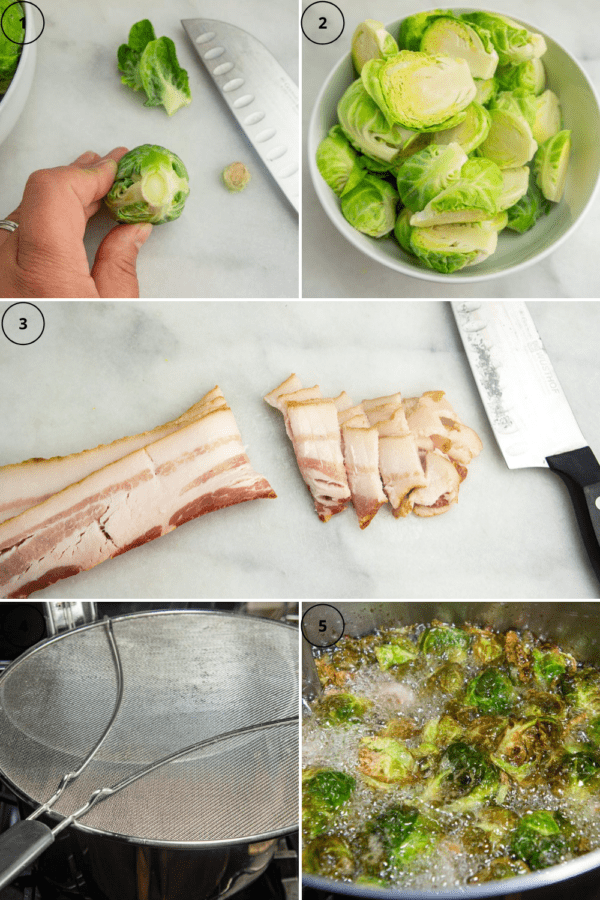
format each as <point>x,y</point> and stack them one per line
<point>23,323</point>
<point>322,625</point>
<point>322,22</point>
<point>13,21</point>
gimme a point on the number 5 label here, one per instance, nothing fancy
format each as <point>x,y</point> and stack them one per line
<point>322,625</point>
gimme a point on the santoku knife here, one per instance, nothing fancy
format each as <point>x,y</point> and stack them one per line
<point>258,91</point>
<point>528,411</point>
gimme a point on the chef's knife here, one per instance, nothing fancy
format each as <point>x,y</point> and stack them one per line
<point>258,91</point>
<point>528,411</point>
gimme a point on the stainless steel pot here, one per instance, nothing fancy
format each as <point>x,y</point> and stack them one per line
<point>574,626</point>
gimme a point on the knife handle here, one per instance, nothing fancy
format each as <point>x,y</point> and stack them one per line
<point>580,471</point>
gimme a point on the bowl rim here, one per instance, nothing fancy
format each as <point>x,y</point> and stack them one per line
<point>27,49</point>
<point>355,237</point>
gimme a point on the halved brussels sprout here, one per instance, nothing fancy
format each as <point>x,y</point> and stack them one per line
<point>547,118</point>
<point>371,41</point>
<point>337,161</point>
<point>473,198</point>
<point>471,132</point>
<point>329,855</point>
<point>529,75</point>
<point>370,207</point>
<point>383,761</point>
<point>367,128</point>
<point>456,38</point>
<point>528,747</point>
<point>509,143</point>
<point>420,91</point>
<point>324,791</point>
<point>401,651</point>
<point>413,27</point>
<point>551,163</point>
<point>539,839</point>
<point>405,833</point>
<point>513,42</point>
<point>514,186</point>
<point>426,173</point>
<point>465,780</point>
<point>341,709</point>
<point>486,90</point>
<point>448,248</point>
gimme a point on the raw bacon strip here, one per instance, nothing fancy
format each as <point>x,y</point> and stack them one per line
<point>441,489</point>
<point>312,393</point>
<point>342,402</point>
<point>197,469</point>
<point>28,483</point>
<point>317,444</point>
<point>399,461</point>
<point>361,458</point>
<point>290,384</point>
<point>353,412</point>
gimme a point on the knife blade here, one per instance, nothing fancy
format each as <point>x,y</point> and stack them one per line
<point>532,421</point>
<point>260,94</point>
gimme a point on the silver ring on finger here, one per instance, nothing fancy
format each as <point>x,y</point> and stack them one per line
<point>8,225</point>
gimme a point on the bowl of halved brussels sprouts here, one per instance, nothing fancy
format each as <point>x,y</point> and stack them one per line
<point>455,145</point>
<point>17,61</point>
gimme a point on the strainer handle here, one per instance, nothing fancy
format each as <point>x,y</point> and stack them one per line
<point>20,846</point>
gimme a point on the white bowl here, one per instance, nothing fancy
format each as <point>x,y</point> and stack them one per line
<point>13,101</point>
<point>581,114</point>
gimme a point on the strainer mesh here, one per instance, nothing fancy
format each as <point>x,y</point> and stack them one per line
<point>188,676</point>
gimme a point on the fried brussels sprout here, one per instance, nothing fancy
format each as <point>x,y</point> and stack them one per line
<point>579,773</point>
<point>341,709</point>
<point>446,642</point>
<point>465,779</point>
<point>498,869</point>
<point>384,761</point>
<point>329,855</point>
<point>324,792</point>
<point>405,833</point>
<point>492,692</point>
<point>540,839</point>
<point>449,679</point>
<point>486,646</point>
<point>401,651</point>
<point>550,665</point>
<point>582,690</point>
<point>528,747</point>
<point>518,654</point>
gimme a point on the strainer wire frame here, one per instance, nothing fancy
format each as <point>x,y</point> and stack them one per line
<point>65,821</point>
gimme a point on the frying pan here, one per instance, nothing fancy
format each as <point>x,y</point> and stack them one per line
<point>186,677</point>
<point>574,626</point>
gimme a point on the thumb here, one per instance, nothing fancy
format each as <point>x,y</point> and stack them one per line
<point>114,267</point>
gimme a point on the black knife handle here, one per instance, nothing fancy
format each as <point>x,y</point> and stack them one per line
<point>580,471</point>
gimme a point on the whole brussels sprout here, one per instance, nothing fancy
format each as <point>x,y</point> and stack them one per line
<point>151,185</point>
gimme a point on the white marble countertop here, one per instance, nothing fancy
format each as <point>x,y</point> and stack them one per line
<point>224,245</point>
<point>102,370</point>
<point>331,267</point>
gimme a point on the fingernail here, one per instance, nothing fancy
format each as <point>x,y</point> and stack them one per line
<point>142,234</point>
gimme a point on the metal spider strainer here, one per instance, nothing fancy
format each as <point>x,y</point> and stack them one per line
<point>188,676</point>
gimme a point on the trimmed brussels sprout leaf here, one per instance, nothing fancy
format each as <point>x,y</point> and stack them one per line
<point>151,185</point>
<point>510,142</point>
<point>513,42</point>
<point>420,91</point>
<point>11,36</point>
<point>370,207</point>
<point>337,161</point>
<point>151,65</point>
<point>550,165</point>
<point>367,128</point>
<point>453,37</point>
<point>371,41</point>
<point>514,186</point>
<point>426,173</point>
<point>473,198</point>
<point>526,211</point>
<point>471,132</point>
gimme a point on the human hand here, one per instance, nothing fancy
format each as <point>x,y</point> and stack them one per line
<point>45,256</point>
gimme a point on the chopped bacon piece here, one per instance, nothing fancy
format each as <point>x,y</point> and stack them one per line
<point>199,468</point>
<point>26,484</point>
<point>317,444</point>
<point>361,458</point>
<point>441,488</point>
<point>436,426</point>
<point>401,471</point>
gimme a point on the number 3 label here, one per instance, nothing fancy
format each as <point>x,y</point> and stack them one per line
<point>23,323</point>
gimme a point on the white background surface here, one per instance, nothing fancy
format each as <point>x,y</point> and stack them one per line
<point>102,370</point>
<point>224,245</point>
<point>333,268</point>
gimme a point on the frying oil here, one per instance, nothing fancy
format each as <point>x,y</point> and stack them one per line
<point>455,860</point>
